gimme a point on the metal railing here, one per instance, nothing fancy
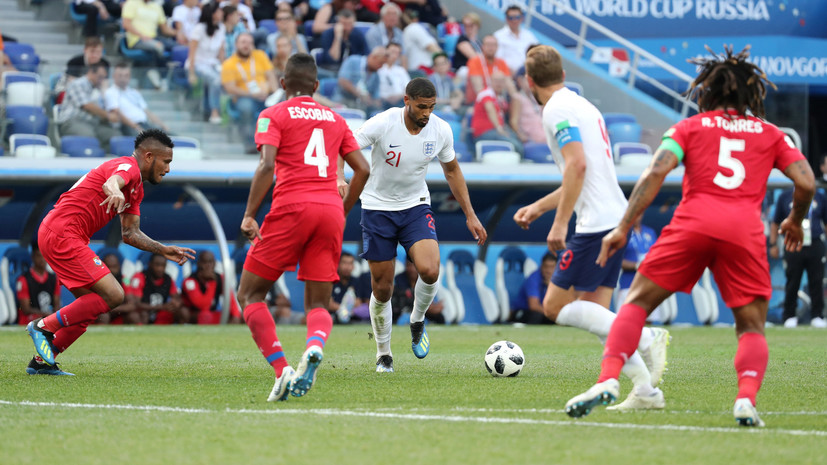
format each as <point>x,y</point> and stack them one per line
<point>637,53</point>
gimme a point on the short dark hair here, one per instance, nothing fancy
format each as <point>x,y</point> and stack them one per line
<point>92,42</point>
<point>345,13</point>
<point>549,256</point>
<point>153,134</point>
<point>228,10</point>
<point>300,73</point>
<point>513,7</point>
<point>728,80</point>
<point>94,67</point>
<point>420,88</point>
<point>347,254</point>
<point>440,54</point>
<point>123,65</point>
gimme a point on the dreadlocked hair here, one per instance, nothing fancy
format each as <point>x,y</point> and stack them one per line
<point>729,81</point>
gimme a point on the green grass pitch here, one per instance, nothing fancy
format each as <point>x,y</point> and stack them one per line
<point>197,395</point>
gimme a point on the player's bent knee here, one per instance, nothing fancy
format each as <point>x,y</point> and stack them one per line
<point>114,297</point>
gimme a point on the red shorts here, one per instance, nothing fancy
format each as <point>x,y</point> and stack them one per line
<point>74,263</point>
<point>309,234</point>
<point>679,257</point>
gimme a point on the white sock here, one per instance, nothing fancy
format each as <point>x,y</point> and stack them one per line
<point>423,298</point>
<point>636,370</point>
<point>646,338</point>
<point>381,319</point>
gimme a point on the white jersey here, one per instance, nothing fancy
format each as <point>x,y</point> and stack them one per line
<point>568,116</point>
<point>399,160</point>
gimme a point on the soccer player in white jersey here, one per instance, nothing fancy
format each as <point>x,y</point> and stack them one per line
<point>396,208</point>
<point>580,291</point>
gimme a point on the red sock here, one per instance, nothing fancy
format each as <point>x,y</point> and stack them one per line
<point>622,341</point>
<point>751,364</point>
<point>261,324</point>
<point>319,324</point>
<point>64,337</point>
<point>85,309</point>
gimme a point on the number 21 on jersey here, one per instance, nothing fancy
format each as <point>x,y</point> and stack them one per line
<point>314,153</point>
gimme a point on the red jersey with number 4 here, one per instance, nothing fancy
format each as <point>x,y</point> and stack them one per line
<point>309,138</point>
<point>728,159</point>
<point>79,212</point>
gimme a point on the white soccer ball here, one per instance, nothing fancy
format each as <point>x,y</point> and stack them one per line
<point>504,358</point>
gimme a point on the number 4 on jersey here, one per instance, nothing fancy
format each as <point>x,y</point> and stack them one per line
<point>314,154</point>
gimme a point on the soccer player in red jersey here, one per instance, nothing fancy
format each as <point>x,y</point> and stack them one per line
<point>302,141</point>
<point>728,156</point>
<point>113,188</point>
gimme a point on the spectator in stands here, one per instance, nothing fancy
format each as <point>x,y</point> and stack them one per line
<point>528,305</point>
<point>428,11</point>
<point>325,17</point>
<point>448,95</point>
<point>156,296</point>
<point>232,28</point>
<point>249,79</point>
<point>359,80</point>
<point>245,12</point>
<point>341,41</point>
<point>129,105</point>
<point>142,19</point>
<point>392,78</point>
<point>402,299</point>
<point>530,117</point>
<point>184,19</point>
<point>205,56</point>
<point>809,258</point>
<point>513,40</point>
<point>287,29</point>
<point>419,46</point>
<point>350,296</point>
<point>488,121</point>
<point>479,75</point>
<point>127,312</point>
<point>38,290</point>
<point>92,53</point>
<point>469,44</point>
<point>283,51</point>
<point>94,9</point>
<point>82,112</point>
<point>202,292</point>
<point>386,30</point>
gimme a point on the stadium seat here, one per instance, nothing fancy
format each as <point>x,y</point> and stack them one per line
<point>26,120</point>
<point>501,157</point>
<point>704,299</point>
<point>10,77</point>
<point>462,152</point>
<point>362,27</point>
<point>181,142</point>
<point>177,73</point>
<point>22,56</point>
<point>510,272</point>
<point>537,153</point>
<point>25,93</point>
<point>484,146</point>
<point>351,113</point>
<point>187,153</point>
<point>624,132</point>
<point>81,146</point>
<point>35,151</point>
<point>465,276</point>
<point>316,53</point>
<point>19,140</point>
<point>327,86</point>
<point>295,290</point>
<point>574,87</point>
<point>612,118</point>
<point>121,146</point>
<point>269,24</point>
<point>627,149</point>
<point>135,56</point>
<point>449,117</point>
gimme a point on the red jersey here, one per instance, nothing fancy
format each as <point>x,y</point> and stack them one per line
<point>79,211</point>
<point>728,159</point>
<point>309,138</point>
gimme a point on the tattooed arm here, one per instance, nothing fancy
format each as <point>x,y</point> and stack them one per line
<point>802,176</point>
<point>131,234</point>
<point>644,193</point>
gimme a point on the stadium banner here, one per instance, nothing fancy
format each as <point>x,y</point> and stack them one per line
<point>786,60</point>
<point>676,18</point>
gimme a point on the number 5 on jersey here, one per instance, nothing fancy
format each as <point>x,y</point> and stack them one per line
<point>314,153</point>
<point>726,160</point>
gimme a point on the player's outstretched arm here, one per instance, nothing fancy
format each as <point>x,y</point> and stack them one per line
<point>132,235</point>
<point>262,179</point>
<point>527,214</point>
<point>361,171</point>
<point>802,176</point>
<point>456,181</point>
<point>645,190</point>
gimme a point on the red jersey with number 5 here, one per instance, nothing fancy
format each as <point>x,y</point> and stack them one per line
<point>309,138</point>
<point>78,211</point>
<point>728,159</point>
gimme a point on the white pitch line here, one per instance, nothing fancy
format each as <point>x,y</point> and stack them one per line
<point>417,417</point>
<point>546,410</point>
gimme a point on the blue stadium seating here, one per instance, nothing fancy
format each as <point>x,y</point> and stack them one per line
<point>10,77</point>
<point>510,276</point>
<point>269,24</point>
<point>20,259</point>
<point>81,146</point>
<point>121,146</point>
<point>538,153</point>
<point>624,132</point>
<point>181,142</point>
<point>327,86</point>
<point>484,146</point>
<point>612,118</point>
<point>463,263</point>
<point>296,289</point>
<point>22,56</point>
<point>461,149</point>
<point>178,74</point>
<point>136,56</point>
<point>26,120</point>
<point>19,140</point>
